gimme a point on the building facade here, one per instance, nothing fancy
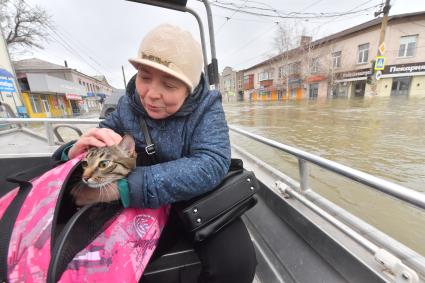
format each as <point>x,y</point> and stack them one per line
<point>51,90</point>
<point>9,92</point>
<point>340,65</point>
<point>229,85</point>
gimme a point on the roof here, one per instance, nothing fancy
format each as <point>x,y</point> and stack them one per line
<point>346,32</point>
<point>37,64</point>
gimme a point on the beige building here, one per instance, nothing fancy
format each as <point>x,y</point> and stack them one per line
<point>340,65</point>
<point>230,84</point>
<point>51,90</point>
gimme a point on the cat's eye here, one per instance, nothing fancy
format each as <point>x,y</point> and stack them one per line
<point>84,164</point>
<point>103,164</point>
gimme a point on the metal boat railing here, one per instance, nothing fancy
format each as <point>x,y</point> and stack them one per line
<point>402,193</point>
<point>354,227</point>
<point>349,224</point>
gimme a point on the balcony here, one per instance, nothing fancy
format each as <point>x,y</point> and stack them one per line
<point>266,83</point>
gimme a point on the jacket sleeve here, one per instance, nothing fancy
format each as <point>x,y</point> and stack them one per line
<point>199,171</point>
<point>113,121</point>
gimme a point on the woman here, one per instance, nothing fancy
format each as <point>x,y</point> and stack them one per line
<point>187,124</point>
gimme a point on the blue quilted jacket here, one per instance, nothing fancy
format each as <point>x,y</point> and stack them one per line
<point>192,147</point>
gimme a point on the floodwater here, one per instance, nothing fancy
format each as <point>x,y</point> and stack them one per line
<point>384,137</point>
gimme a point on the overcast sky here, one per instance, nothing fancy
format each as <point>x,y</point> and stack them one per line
<point>101,35</point>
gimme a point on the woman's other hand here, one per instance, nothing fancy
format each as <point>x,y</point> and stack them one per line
<point>96,137</point>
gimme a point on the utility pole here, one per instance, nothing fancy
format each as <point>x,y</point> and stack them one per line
<point>123,75</point>
<point>381,45</point>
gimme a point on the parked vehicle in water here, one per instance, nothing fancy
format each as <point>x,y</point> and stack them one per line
<point>110,103</point>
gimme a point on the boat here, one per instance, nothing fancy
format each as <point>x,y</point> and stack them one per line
<point>298,235</point>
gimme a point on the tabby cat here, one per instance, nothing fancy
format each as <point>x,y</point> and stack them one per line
<point>101,168</point>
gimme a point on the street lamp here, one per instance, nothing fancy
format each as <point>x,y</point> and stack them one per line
<point>211,70</point>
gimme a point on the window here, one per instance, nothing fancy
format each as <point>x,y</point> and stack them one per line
<point>268,75</point>
<point>314,67</point>
<point>262,76</point>
<point>336,59</point>
<point>35,104</point>
<point>407,46</point>
<point>294,68</point>
<point>282,72</point>
<point>246,79</point>
<point>45,103</point>
<point>363,53</point>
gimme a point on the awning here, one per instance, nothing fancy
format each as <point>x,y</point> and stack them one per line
<point>5,73</point>
<point>101,95</point>
<point>45,83</point>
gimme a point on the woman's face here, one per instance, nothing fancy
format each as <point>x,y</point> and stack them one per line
<point>161,94</point>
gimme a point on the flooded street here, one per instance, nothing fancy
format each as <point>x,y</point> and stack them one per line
<point>384,137</point>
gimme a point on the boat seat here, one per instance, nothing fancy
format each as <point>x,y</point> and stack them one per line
<point>180,264</point>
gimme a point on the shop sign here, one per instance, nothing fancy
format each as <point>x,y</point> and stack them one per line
<point>354,74</point>
<point>315,79</point>
<point>405,68</point>
<point>6,85</point>
<point>71,96</point>
<point>295,81</point>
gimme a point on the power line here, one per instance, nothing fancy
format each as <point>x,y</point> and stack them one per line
<point>227,20</point>
<point>292,15</point>
<point>363,3</point>
<point>325,23</point>
<point>59,38</point>
<point>254,39</point>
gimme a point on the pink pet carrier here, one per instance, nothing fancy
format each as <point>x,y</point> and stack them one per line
<point>45,238</point>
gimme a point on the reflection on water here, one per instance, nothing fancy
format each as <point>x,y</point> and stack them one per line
<point>381,136</point>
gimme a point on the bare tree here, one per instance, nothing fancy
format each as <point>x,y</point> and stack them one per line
<point>286,44</point>
<point>22,25</point>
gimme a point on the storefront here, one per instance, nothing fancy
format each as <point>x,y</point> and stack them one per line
<point>351,83</point>
<point>317,86</point>
<point>52,97</point>
<point>403,80</point>
<point>295,88</point>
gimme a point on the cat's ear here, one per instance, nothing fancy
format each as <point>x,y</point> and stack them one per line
<point>127,144</point>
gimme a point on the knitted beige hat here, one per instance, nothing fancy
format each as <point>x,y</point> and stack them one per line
<point>174,51</point>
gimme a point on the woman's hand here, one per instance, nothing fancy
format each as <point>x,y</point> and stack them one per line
<point>96,137</point>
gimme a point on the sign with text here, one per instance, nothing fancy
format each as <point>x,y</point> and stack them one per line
<point>6,85</point>
<point>72,96</point>
<point>405,68</point>
<point>379,63</point>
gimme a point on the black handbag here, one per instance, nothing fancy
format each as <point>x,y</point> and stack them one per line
<point>208,213</point>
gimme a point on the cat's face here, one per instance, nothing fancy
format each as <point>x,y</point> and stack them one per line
<point>105,165</point>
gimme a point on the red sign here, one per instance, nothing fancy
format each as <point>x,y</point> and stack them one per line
<point>315,79</point>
